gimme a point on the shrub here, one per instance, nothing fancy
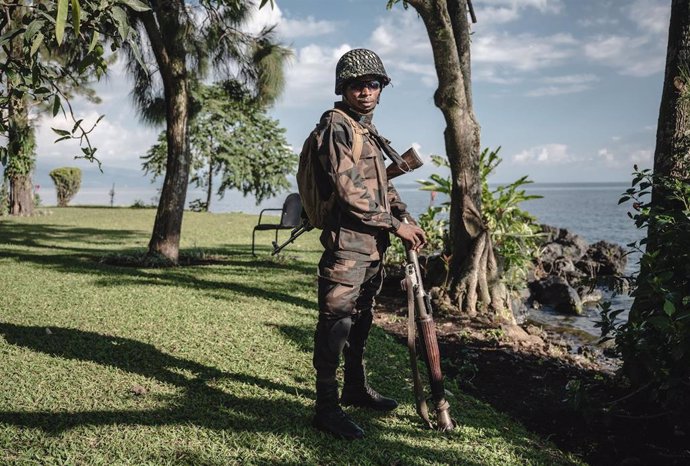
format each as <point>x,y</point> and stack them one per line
<point>67,183</point>
<point>514,232</point>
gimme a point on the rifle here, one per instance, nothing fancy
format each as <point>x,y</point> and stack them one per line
<point>294,234</point>
<point>410,162</point>
<point>418,300</point>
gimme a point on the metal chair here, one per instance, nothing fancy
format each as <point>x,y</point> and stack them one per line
<point>290,217</point>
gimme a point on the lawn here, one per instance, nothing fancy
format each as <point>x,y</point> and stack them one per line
<point>208,365</point>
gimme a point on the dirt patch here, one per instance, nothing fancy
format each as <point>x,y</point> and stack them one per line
<point>563,391</point>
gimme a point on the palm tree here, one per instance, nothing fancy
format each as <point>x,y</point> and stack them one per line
<point>183,43</point>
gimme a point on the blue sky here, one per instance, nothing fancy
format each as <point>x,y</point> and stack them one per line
<point>570,89</point>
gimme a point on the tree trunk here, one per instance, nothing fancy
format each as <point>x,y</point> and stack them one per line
<point>672,153</point>
<point>168,49</point>
<point>20,160</point>
<point>20,140</point>
<point>474,276</point>
<point>21,195</point>
<point>209,188</point>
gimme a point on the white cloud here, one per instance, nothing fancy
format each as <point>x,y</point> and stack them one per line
<point>571,79</point>
<point>568,84</point>
<point>642,156</point>
<point>504,11</point>
<point>614,158</point>
<point>607,156</point>
<point>549,91</point>
<point>650,15</point>
<point>497,15</point>
<point>388,41</point>
<point>289,28</point>
<point>598,22</point>
<point>632,56</point>
<point>262,18</point>
<point>311,76</point>
<point>550,154</point>
<point>639,52</point>
<point>523,52</point>
<point>544,6</point>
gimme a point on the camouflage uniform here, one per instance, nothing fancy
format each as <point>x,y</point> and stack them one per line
<point>355,238</point>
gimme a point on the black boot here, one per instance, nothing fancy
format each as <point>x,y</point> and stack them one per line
<point>330,418</point>
<point>356,390</point>
<point>364,396</point>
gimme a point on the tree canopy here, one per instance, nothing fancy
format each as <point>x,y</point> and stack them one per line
<point>231,135</point>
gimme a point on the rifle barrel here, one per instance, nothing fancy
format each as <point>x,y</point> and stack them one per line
<point>294,234</point>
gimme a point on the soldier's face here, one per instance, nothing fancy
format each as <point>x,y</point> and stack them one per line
<point>363,94</point>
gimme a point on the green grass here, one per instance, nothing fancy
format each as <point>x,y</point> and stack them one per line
<point>222,351</point>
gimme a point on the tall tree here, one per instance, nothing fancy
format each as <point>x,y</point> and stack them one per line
<point>655,341</point>
<point>185,39</point>
<point>474,276</point>
<point>19,161</point>
<point>230,135</point>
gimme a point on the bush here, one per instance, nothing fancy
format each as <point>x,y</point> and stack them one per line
<point>67,183</point>
<point>514,232</point>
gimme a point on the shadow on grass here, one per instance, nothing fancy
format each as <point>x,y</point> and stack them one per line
<point>207,406</point>
<point>300,335</point>
<point>202,404</point>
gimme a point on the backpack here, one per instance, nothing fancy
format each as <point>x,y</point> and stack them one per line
<point>312,182</point>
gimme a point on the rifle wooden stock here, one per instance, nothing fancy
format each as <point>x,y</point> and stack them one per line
<point>411,162</point>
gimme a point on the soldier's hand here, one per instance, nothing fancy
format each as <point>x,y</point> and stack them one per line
<point>412,235</point>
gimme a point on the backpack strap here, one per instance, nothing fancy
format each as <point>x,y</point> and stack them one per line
<point>358,132</point>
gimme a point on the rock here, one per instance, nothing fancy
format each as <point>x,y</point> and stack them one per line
<point>603,258</point>
<point>559,242</point>
<point>536,331</point>
<point>557,293</point>
<point>138,390</point>
<point>589,295</point>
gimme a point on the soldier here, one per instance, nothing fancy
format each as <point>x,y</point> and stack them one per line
<point>355,237</point>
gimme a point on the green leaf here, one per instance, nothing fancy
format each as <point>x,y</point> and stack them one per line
<point>94,41</point>
<point>661,323</point>
<point>669,308</point>
<point>135,5</point>
<point>61,19</point>
<point>120,18</point>
<point>56,105</point>
<point>76,16</point>
<point>33,27</point>
<point>37,43</point>
<point>76,125</point>
<point>7,37</point>
<point>61,132</point>
<point>137,54</point>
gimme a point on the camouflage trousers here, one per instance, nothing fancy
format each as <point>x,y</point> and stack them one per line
<point>347,289</point>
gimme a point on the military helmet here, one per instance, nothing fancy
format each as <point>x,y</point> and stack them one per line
<point>357,63</point>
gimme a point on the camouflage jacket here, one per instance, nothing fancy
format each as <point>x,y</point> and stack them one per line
<point>367,205</point>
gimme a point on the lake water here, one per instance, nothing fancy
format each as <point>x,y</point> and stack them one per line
<point>590,210</point>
